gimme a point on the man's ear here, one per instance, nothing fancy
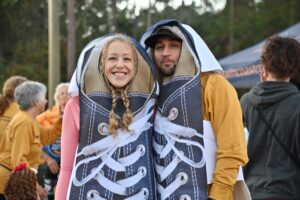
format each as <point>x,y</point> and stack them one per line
<point>264,75</point>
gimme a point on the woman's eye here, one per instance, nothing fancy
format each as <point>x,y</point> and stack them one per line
<point>112,58</point>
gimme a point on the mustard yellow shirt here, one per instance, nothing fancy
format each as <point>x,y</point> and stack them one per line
<point>49,117</point>
<point>22,143</point>
<point>222,108</point>
<point>8,114</point>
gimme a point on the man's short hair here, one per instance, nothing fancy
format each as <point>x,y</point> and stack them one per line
<point>152,40</point>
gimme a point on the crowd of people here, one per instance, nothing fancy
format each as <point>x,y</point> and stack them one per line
<point>154,119</point>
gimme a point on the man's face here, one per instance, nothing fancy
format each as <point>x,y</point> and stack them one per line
<point>166,55</point>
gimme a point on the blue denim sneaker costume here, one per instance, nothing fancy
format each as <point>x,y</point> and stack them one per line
<point>106,166</point>
<point>178,137</point>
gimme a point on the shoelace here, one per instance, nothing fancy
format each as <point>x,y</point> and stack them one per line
<point>173,133</point>
<point>106,147</point>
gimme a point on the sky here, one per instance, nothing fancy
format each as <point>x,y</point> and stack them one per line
<point>174,3</point>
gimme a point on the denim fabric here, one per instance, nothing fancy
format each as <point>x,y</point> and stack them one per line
<point>184,95</point>
<point>90,169</point>
<point>91,116</point>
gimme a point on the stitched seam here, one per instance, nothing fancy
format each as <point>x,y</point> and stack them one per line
<point>175,95</point>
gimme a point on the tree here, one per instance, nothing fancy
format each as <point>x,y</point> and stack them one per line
<point>71,50</point>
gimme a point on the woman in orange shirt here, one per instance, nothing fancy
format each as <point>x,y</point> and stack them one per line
<point>48,171</point>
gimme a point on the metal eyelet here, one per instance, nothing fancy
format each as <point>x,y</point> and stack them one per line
<point>185,197</point>
<point>183,177</point>
<point>103,128</point>
<point>145,193</point>
<point>141,148</point>
<point>143,170</point>
<point>92,194</point>
<point>173,113</point>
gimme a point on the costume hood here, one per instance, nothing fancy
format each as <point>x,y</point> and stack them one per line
<point>87,72</point>
<point>206,59</point>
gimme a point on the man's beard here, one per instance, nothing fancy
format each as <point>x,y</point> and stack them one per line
<point>167,71</point>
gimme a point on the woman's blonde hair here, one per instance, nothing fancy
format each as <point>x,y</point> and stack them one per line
<point>58,88</point>
<point>114,120</point>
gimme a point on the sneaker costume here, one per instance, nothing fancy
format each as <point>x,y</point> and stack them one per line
<point>106,166</point>
<point>197,110</point>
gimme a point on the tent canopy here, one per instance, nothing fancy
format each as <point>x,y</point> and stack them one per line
<point>242,68</point>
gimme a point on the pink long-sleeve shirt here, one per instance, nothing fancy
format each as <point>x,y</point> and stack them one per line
<point>69,142</point>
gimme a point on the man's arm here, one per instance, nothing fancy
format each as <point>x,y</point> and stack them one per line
<point>222,108</point>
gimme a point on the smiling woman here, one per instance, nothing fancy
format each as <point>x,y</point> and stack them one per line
<point>119,60</point>
<point>119,63</point>
<point>108,123</point>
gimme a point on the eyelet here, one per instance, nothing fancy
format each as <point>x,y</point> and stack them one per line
<point>143,170</point>
<point>103,129</point>
<point>92,194</point>
<point>145,193</point>
<point>173,113</point>
<point>185,197</point>
<point>183,177</point>
<point>141,148</point>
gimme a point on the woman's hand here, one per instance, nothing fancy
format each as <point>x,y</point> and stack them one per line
<point>42,192</point>
<point>53,165</point>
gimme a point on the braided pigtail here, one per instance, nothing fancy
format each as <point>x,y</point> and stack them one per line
<point>113,119</point>
<point>127,116</point>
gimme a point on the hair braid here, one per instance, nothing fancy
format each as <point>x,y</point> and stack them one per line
<point>127,116</point>
<point>113,120</point>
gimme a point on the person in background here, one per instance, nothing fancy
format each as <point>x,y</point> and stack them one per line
<point>8,105</point>
<point>107,124</point>
<point>23,139</point>
<point>22,184</point>
<point>199,138</point>
<point>295,78</point>
<point>48,171</point>
<point>271,111</point>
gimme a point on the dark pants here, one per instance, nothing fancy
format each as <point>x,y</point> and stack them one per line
<point>50,182</point>
<point>2,197</point>
<point>47,179</point>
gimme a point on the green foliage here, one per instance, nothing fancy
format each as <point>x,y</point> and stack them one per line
<point>24,27</point>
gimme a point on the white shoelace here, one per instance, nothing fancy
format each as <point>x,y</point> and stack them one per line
<point>106,147</point>
<point>173,133</point>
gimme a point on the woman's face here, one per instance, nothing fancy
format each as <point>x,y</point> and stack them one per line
<point>41,105</point>
<point>62,96</point>
<point>119,64</point>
